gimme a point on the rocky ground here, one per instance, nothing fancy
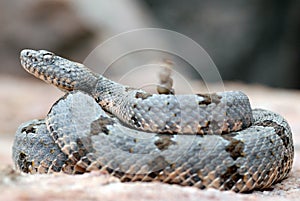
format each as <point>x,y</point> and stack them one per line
<point>22,100</point>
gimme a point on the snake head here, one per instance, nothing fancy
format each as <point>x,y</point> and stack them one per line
<point>53,69</point>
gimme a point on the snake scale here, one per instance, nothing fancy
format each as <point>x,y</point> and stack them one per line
<point>203,140</point>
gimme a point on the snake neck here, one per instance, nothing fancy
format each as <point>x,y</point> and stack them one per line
<point>110,94</point>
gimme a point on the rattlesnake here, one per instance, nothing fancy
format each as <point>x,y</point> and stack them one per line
<point>204,140</point>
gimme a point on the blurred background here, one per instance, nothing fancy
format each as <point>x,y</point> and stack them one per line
<point>250,41</point>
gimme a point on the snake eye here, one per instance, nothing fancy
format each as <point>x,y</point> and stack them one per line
<point>47,57</point>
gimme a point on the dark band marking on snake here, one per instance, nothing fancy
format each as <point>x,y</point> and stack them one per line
<point>137,136</point>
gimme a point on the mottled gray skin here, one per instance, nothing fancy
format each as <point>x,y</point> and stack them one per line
<point>79,136</point>
<point>208,113</point>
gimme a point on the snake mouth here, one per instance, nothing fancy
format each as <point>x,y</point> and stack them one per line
<point>26,60</point>
<point>29,60</point>
<point>35,61</point>
<point>25,56</point>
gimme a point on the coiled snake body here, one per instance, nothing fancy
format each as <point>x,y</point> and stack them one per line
<point>204,140</point>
